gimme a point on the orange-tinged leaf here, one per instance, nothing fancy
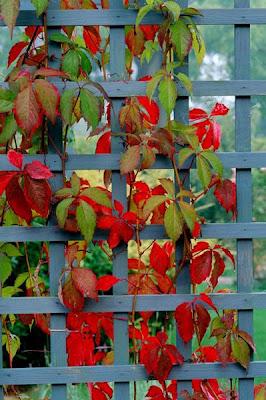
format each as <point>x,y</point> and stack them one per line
<point>9,10</point>
<point>71,296</point>
<point>130,159</point>
<point>48,97</point>
<point>27,111</point>
<point>85,282</point>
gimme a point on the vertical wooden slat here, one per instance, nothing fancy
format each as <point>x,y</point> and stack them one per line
<point>183,280</point>
<point>56,250</point>
<point>120,264</point>
<point>244,184</point>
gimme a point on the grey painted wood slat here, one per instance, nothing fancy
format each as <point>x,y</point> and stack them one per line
<point>244,184</point>
<point>125,373</point>
<point>120,267</point>
<point>240,160</point>
<point>56,250</point>
<point>123,303</point>
<point>121,89</point>
<point>255,230</point>
<point>183,284</point>
<point>118,17</point>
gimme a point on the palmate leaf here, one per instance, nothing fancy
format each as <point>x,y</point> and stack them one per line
<point>62,211</point>
<point>67,104</point>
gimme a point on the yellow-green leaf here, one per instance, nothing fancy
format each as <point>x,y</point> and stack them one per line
<point>173,222</point>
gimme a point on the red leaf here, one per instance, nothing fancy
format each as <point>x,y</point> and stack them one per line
<point>27,111</point>
<point>200,267</point>
<point>159,357</point>
<point>38,195</point>
<point>37,170</point>
<point>106,221</point>
<point>5,178</point>
<point>92,38</point>
<point>71,296</point>
<point>197,113</point>
<point>155,393</point>
<point>206,299</point>
<point>104,144</point>
<point>15,51</point>
<point>159,259</point>
<point>225,193</point>
<point>85,281</point>
<point>15,158</point>
<point>151,112</point>
<point>200,246</point>
<point>43,321</point>
<point>219,109</point>
<point>203,320</point>
<point>106,282</point>
<point>218,269</point>
<point>17,201</point>
<point>184,321</point>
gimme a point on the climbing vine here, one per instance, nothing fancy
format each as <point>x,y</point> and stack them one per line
<point>30,104</point>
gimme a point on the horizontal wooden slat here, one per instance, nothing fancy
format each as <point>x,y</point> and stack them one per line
<point>121,89</point>
<point>119,303</point>
<point>111,161</point>
<point>125,373</point>
<point>252,230</point>
<point>241,16</point>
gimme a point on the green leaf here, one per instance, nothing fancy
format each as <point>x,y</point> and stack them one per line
<point>10,250</point>
<point>151,203</point>
<point>85,61</point>
<point>97,195</point>
<point>40,5</point>
<point>7,98</point>
<point>167,94</point>
<point>153,83</point>
<point>12,345</point>
<point>168,185</point>
<point>75,184</point>
<point>9,291</point>
<point>214,160</point>
<point>186,82</point>
<point>198,45</point>
<point>86,219</point>
<point>173,222</point>
<point>90,107</point>
<point>181,38</point>
<point>21,278</point>
<point>9,10</point>
<point>240,351</point>
<point>204,171</point>
<point>184,154</point>
<point>189,214</point>
<point>60,38</point>
<point>71,62</point>
<point>173,8</point>
<point>62,211</point>
<point>67,105</point>
<point>9,129</point>
<point>5,268</point>
<point>142,12</point>
<point>130,159</point>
